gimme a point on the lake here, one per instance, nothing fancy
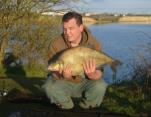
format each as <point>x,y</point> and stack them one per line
<point>122,42</point>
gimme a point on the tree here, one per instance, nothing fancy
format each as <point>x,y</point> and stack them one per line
<point>10,12</point>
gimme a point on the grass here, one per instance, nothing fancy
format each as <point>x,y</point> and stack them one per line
<point>23,78</point>
<point>23,71</point>
<point>125,98</point>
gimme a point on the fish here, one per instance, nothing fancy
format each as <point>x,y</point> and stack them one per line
<point>76,56</point>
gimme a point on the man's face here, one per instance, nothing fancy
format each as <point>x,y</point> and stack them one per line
<point>71,30</point>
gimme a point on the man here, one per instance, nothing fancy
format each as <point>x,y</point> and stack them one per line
<point>61,85</point>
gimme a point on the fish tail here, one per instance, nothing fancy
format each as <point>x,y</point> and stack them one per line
<point>114,65</point>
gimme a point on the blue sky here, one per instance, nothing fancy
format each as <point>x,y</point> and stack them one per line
<point>114,6</point>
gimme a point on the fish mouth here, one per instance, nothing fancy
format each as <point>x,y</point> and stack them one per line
<point>51,69</point>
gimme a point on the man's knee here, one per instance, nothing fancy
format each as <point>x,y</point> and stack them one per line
<point>49,86</point>
<point>100,85</point>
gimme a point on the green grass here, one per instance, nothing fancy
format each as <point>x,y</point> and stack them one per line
<point>125,98</point>
<point>23,71</point>
<point>23,78</point>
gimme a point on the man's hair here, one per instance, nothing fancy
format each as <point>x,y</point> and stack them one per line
<point>74,15</point>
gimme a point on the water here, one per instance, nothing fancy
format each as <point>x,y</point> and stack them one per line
<point>121,41</point>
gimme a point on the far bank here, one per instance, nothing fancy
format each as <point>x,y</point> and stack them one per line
<point>146,19</point>
<point>112,18</point>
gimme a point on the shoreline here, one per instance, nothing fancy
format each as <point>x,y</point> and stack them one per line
<point>123,19</point>
<point>135,19</point>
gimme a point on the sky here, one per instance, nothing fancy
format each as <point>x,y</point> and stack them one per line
<point>113,6</point>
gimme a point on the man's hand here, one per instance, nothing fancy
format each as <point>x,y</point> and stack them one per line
<point>64,73</point>
<point>90,69</point>
<point>67,72</point>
